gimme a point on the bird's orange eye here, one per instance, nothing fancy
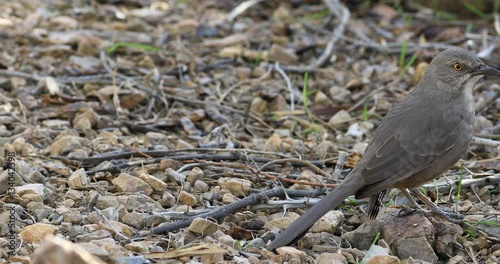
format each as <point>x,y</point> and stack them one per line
<point>457,67</point>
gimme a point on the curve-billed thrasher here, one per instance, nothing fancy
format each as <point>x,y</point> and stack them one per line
<point>418,140</point>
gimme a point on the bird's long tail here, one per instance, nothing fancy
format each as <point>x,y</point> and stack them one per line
<point>298,228</point>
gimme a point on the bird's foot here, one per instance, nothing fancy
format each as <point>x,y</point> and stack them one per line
<point>448,215</point>
<point>405,211</point>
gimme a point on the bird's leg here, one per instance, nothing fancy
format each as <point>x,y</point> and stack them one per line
<point>410,198</point>
<point>452,217</point>
<point>415,207</point>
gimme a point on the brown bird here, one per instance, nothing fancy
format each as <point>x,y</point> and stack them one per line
<point>418,140</point>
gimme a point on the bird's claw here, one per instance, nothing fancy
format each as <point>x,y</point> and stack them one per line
<point>405,211</point>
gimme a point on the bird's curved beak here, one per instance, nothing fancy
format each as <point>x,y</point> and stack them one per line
<point>488,71</point>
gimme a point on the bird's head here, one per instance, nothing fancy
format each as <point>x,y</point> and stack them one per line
<point>458,68</point>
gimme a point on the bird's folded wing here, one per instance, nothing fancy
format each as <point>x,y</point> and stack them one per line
<point>416,144</point>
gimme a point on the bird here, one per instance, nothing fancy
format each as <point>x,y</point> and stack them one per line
<point>424,134</point>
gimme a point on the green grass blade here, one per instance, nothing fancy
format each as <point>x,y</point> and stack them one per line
<point>139,46</point>
<point>475,10</point>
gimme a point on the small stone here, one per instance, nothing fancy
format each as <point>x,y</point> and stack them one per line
<point>320,98</point>
<point>167,200</point>
<point>39,210</point>
<point>98,234</point>
<point>309,176</point>
<point>229,241</point>
<point>359,147</point>
<point>417,248</point>
<point>282,13</point>
<point>185,26</point>
<point>340,119</point>
<point>134,219</point>
<point>325,248</point>
<point>66,144</point>
<point>253,260</point>
<point>153,139</point>
<point>179,178</point>
<point>55,123</point>
<point>340,94</point>
<point>116,251</point>
<point>484,193</point>
<point>356,83</point>
<point>157,184</point>
<point>243,73</point>
<point>27,150</point>
<point>181,144</point>
<point>447,235</point>
<point>258,106</point>
<point>331,258</point>
<point>329,222</point>
<point>72,217</point>
<point>309,240</point>
<point>363,236</point>
<point>78,179</point>
<point>256,243</point>
<point>93,218</point>
<point>457,259</point>
<point>109,136</point>
<point>104,202</point>
<point>274,143</point>
<point>279,54</point>
<point>279,104</point>
<point>189,127</point>
<point>68,203</point>
<point>355,130</point>
<point>127,183</point>
<point>282,222</point>
<point>169,163</point>
<point>86,119</point>
<point>197,115</point>
<point>292,254</point>
<point>407,227</point>
<point>228,198</point>
<point>187,199</point>
<point>59,169</point>
<point>238,187</point>
<point>383,259</point>
<point>196,174</point>
<point>37,232</point>
<point>63,22</point>
<point>200,186</point>
<point>479,243</point>
<point>137,247</point>
<point>95,250</point>
<point>117,227</point>
<point>140,203</point>
<point>326,149</point>
<point>111,213</point>
<point>258,71</point>
<point>29,188</point>
<point>213,258</point>
<point>203,227</point>
<point>18,144</point>
<point>74,195</point>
